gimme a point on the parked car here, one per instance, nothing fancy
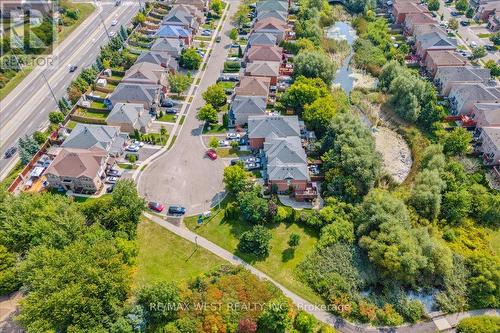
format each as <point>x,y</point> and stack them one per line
<point>218,39</point>
<point>10,152</point>
<point>111,180</point>
<point>251,159</point>
<point>113,173</point>
<point>212,154</point>
<point>464,23</point>
<point>489,47</point>
<point>171,111</point>
<point>224,143</point>
<point>132,148</point>
<point>473,44</point>
<point>206,32</point>
<point>156,206</point>
<point>176,210</point>
<point>252,166</point>
<point>138,143</point>
<point>232,136</point>
<point>110,188</point>
<point>167,103</point>
<point>72,68</point>
<point>114,22</point>
<point>112,33</point>
<point>234,161</point>
<point>455,13</point>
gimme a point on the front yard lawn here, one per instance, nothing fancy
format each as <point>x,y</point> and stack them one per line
<point>168,117</point>
<point>214,129</point>
<point>227,84</point>
<point>203,38</point>
<point>282,261</point>
<point>231,152</point>
<point>164,256</point>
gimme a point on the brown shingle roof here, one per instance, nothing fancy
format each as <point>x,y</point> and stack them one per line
<point>265,53</point>
<point>253,86</point>
<point>263,68</point>
<point>270,23</point>
<point>74,162</point>
<point>446,58</point>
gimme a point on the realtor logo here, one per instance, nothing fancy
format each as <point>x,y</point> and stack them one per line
<point>28,29</point>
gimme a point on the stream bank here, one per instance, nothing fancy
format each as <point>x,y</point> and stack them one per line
<point>396,154</point>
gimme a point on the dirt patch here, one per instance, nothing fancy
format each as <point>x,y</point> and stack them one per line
<point>363,80</point>
<point>396,155</point>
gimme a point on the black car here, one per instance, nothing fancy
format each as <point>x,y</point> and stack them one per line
<point>114,173</point>
<point>10,152</point>
<point>464,23</point>
<point>167,103</point>
<point>72,68</point>
<point>489,47</point>
<point>455,14</point>
<point>171,111</point>
<point>176,210</point>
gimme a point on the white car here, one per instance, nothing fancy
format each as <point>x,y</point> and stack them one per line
<point>223,143</point>
<point>114,22</point>
<point>111,180</point>
<point>232,136</point>
<point>473,44</point>
<point>112,33</point>
<point>138,143</point>
<point>132,148</point>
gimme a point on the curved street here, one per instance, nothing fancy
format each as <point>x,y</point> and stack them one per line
<point>183,175</point>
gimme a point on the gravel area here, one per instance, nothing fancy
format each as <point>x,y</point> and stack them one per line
<point>396,155</point>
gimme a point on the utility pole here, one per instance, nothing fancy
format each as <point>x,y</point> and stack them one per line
<point>104,25</point>
<point>50,88</point>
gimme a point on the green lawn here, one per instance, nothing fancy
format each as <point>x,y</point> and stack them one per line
<point>164,256</point>
<point>168,117</point>
<point>15,81</point>
<point>203,38</point>
<point>214,129</point>
<point>97,105</point>
<point>71,124</point>
<point>89,114</point>
<point>230,152</point>
<point>127,166</point>
<point>282,261</point>
<point>227,84</point>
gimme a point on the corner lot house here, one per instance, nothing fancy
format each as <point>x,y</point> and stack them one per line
<point>148,95</point>
<point>438,59</point>
<point>146,73</point>
<point>446,77</point>
<point>490,145</point>
<point>265,53</point>
<point>97,137</point>
<point>486,114</point>
<point>171,46</point>
<point>78,170</point>
<point>463,96</point>
<point>129,117</point>
<point>253,86</point>
<point>162,59</point>
<point>243,107</point>
<point>270,69</point>
<point>262,127</point>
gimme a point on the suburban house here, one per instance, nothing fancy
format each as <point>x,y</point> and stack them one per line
<point>485,11</point>
<point>262,38</point>
<point>447,77</point>
<point>413,20</point>
<point>271,25</point>
<point>264,53</point>
<point>175,32</point>
<point>253,86</point>
<point>494,22</point>
<point>268,5</point>
<point>278,14</point>
<point>159,58</point>
<point>146,73</point>
<point>402,8</point>
<point>433,41</point>
<point>171,46</point>
<point>270,69</point>
<point>200,4</point>
<point>486,114</point>
<point>423,29</point>
<point>244,106</point>
<point>78,170</point>
<point>439,59</point>
<point>149,95</point>
<point>463,96</point>
<point>92,137</point>
<point>262,127</point>
<point>285,161</point>
<point>490,145</point>
<point>130,117</point>
<point>286,166</point>
<point>184,16</point>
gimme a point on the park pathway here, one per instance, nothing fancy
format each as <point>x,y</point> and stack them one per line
<point>437,324</point>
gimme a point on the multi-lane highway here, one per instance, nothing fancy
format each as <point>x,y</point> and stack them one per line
<point>26,108</point>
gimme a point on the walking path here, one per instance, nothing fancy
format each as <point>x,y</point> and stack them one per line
<point>431,326</point>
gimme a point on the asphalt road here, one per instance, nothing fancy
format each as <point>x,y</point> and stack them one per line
<point>26,108</point>
<point>183,175</point>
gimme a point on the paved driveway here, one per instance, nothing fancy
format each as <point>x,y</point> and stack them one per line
<point>183,175</point>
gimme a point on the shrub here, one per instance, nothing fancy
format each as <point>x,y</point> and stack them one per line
<point>255,241</point>
<point>479,324</point>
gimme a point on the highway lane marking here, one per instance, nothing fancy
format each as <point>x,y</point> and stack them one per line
<point>57,75</point>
